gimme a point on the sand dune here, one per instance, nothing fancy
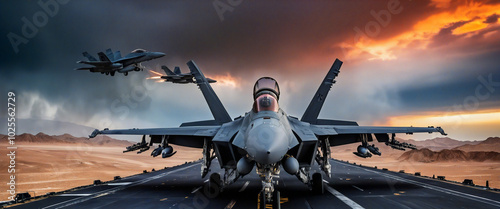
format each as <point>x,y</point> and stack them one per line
<point>54,167</point>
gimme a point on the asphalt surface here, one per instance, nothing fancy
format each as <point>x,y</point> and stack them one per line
<point>351,186</point>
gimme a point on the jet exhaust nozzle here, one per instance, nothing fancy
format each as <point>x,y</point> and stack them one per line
<point>291,165</point>
<point>244,166</point>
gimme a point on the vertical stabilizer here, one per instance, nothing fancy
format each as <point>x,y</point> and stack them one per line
<point>167,70</point>
<point>218,111</point>
<point>88,56</point>
<point>312,111</point>
<point>177,70</point>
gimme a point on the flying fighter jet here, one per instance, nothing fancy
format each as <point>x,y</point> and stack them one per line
<point>110,63</point>
<point>177,77</point>
<point>267,138</point>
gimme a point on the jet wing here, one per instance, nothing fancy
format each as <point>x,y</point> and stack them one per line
<point>325,130</point>
<point>201,131</point>
<point>95,63</point>
<point>342,134</point>
<point>128,58</point>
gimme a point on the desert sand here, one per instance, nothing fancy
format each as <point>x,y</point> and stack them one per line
<point>44,168</point>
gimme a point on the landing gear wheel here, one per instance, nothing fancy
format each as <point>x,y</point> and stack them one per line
<point>317,183</point>
<point>125,73</point>
<point>276,199</point>
<point>112,73</point>
<point>262,200</point>
<point>107,73</point>
<point>212,187</point>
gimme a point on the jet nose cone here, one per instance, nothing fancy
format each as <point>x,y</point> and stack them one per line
<point>158,54</point>
<point>267,144</point>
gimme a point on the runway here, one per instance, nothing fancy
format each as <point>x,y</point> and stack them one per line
<point>351,186</point>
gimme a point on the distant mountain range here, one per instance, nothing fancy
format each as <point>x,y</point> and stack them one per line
<point>50,127</point>
<point>490,144</point>
<point>487,150</point>
<point>440,143</point>
<point>41,138</point>
<point>427,156</point>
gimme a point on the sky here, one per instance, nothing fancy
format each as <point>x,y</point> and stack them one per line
<point>405,63</point>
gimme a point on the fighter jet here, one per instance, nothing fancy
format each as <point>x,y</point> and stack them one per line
<point>110,63</point>
<point>267,138</point>
<point>177,77</point>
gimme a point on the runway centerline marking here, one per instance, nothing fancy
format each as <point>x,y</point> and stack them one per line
<point>343,198</point>
<point>195,190</point>
<point>358,188</point>
<point>437,188</point>
<point>119,184</point>
<point>112,190</point>
<point>74,195</point>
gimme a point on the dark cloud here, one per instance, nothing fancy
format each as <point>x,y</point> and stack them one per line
<point>492,19</point>
<point>291,41</point>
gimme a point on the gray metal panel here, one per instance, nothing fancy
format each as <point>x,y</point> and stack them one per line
<point>218,111</point>
<point>312,111</point>
<point>303,130</point>
<point>227,131</point>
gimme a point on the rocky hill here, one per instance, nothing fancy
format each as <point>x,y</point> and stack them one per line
<point>427,156</point>
<point>491,144</point>
<point>440,143</point>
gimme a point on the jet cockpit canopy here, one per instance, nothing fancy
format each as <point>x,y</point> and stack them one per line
<point>266,85</point>
<point>266,93</point>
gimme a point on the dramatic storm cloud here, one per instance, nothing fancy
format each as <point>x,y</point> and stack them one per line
<point>405,62</point>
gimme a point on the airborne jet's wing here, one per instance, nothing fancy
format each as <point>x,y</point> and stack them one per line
<point>95,63</point>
